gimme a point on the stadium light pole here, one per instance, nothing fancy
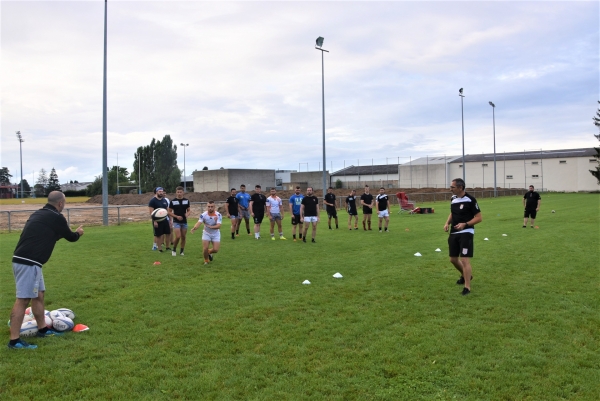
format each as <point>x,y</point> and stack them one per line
<point>104,140</point>
<point>462,117</point>
<point>319,46</point>
<point>20,138</point>
<point>184,146</point>
<point>494,128</point>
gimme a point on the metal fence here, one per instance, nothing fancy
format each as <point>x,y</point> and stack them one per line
<point>122,214</point>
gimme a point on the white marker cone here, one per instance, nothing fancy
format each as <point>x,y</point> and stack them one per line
<point>418,254</point>
<point>337,275</point>
<point>438,250</point>
<point>504,235</point>
<point>485,239</point>
<point>306,282</point>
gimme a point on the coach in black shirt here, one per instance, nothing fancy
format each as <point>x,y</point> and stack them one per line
<point>531,202</point>
<point>258,204</point>
<point>464,214</point>
<point>309,213</point>
<point>44,228</point>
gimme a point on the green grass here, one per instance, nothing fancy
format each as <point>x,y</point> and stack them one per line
<point>394,328</point>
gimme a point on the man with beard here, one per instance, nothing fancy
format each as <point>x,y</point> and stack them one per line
<point>161,228</point>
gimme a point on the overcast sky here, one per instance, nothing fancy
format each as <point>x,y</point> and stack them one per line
<point>241,81</point>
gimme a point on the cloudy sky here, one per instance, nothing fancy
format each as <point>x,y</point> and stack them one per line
<point>241,81</point>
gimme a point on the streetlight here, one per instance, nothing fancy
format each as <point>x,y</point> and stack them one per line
<point>319,46</point>
<point>21,140</point>
<point>494,125</point>
<point>462,116</point>
<point>184,146</point>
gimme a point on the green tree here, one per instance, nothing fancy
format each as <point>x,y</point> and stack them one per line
<point>53,183</point>
<point>95,188</point>
<point>204,168</point>
<point>596,172</point>
<point>26,187</point>
<point>156,165</point>
<point>339,184</point>
<point>5,176</point>
<point>41,183</point>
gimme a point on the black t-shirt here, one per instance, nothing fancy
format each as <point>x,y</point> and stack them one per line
<point>180,207</point>
<point>532,200</point>
<point>330,198</point>
<point>463,209</point>
<point>310,205</point>
<point>232,205</point>
<point>156,203</point>
<point>258,205</point>
<point>351,203</point>
<point>367,198</point>
<point>382,201</point>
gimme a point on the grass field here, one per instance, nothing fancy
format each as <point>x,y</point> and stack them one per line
<point>40,201</point>
<point>394,328</point>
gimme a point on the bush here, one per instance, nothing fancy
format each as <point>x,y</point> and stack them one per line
<point>339,184</point>
<point>73,193</point>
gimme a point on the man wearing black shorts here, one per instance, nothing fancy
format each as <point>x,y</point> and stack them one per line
<point>352,212</point>
<point>329,202</point>
<point>531,202</point>
<point>161,228</point>
<point>233,210</point>
<point>258,206</point>
<point>464,214</point>
<point>366,200</point>
<point>309,213</point>
<point>179,210</point>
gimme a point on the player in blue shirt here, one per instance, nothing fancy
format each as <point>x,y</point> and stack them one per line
<point>295,204</point>
<point>243,202</point>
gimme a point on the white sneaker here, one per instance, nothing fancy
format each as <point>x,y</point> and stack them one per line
<point>154,247</point>
<point>181,254</point>
<point>173,253</point>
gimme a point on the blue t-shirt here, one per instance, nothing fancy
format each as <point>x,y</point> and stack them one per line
<point>243,199</point>
<point>158,204</point>
<point>296,201</point>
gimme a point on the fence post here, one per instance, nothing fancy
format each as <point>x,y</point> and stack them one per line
<point>8,221</point>
<point>118,215</point>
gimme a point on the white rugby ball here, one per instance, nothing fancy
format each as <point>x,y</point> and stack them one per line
<point>62,324</point>
<point>67,312</point>
<point>28,318</point>
<point>29,329</point>
<point>159,214</point>
<point>56,314</point>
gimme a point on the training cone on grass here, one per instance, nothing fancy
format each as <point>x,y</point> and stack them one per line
<point>337,275</point>
<point>80,327</point>
<point>504,235</point>
<point>418,254</point>
<point>157,263</point>
<point>485,239</point>
<point>306,282</point>
<point>438,250</point>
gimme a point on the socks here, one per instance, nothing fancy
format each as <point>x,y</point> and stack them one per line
<point>294,235</point>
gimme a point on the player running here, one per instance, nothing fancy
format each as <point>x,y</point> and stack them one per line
<point>243,198</point>
<point>233,209</point>
<point>212,223</point>
<point>179,210</point>
<point>383,208</point>
<point>295,204</point>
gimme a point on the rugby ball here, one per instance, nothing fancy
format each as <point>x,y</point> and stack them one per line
<point>29,329</point>
<point>67,312</point>
<point>28,318</point>
<point>62,324</point>
<point>48,321</point>
<point>56,314</point>
<point>159,214</point>
<point>29,311</point>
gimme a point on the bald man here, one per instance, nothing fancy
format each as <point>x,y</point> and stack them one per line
<point>41,232</point>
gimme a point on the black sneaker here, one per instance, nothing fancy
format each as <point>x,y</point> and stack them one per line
<point>22,345</point>
<point>304,240</point>
<point>210,257</point>
<point>461,280</point>
<point>465,291</point>
<point>168,249</point>
<point>313,241</point>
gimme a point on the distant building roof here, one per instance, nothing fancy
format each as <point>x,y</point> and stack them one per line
<point>368,170</point>
<point>529,155</point>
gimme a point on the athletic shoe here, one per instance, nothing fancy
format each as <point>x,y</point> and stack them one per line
<point>461,280</point>
<point>313,241</point>
<point>524,226</point>
<point>356,228</point>
<point>282,237</point>
<point>304,240</point>
<point>22,345</point>
<point>465,291</point>
<point>237,235</point>
<point>154,247</point>
<point>273,238</point>
<point>173,253</point>
<point>49,333</point>
<point>210,257</point>
<point>168,249</point>
<point>380,231</point>
<point>370,229</point>
<point>330,227</point>
<point>205,263</point>
<point>180,253</point>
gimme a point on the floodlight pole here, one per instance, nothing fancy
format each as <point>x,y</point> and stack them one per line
<point>318,47</point>
<point>104,140</point>
<point>494,127</point>
<point>462,116</point>
<point>184,146</point>
<point>20,138</point>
